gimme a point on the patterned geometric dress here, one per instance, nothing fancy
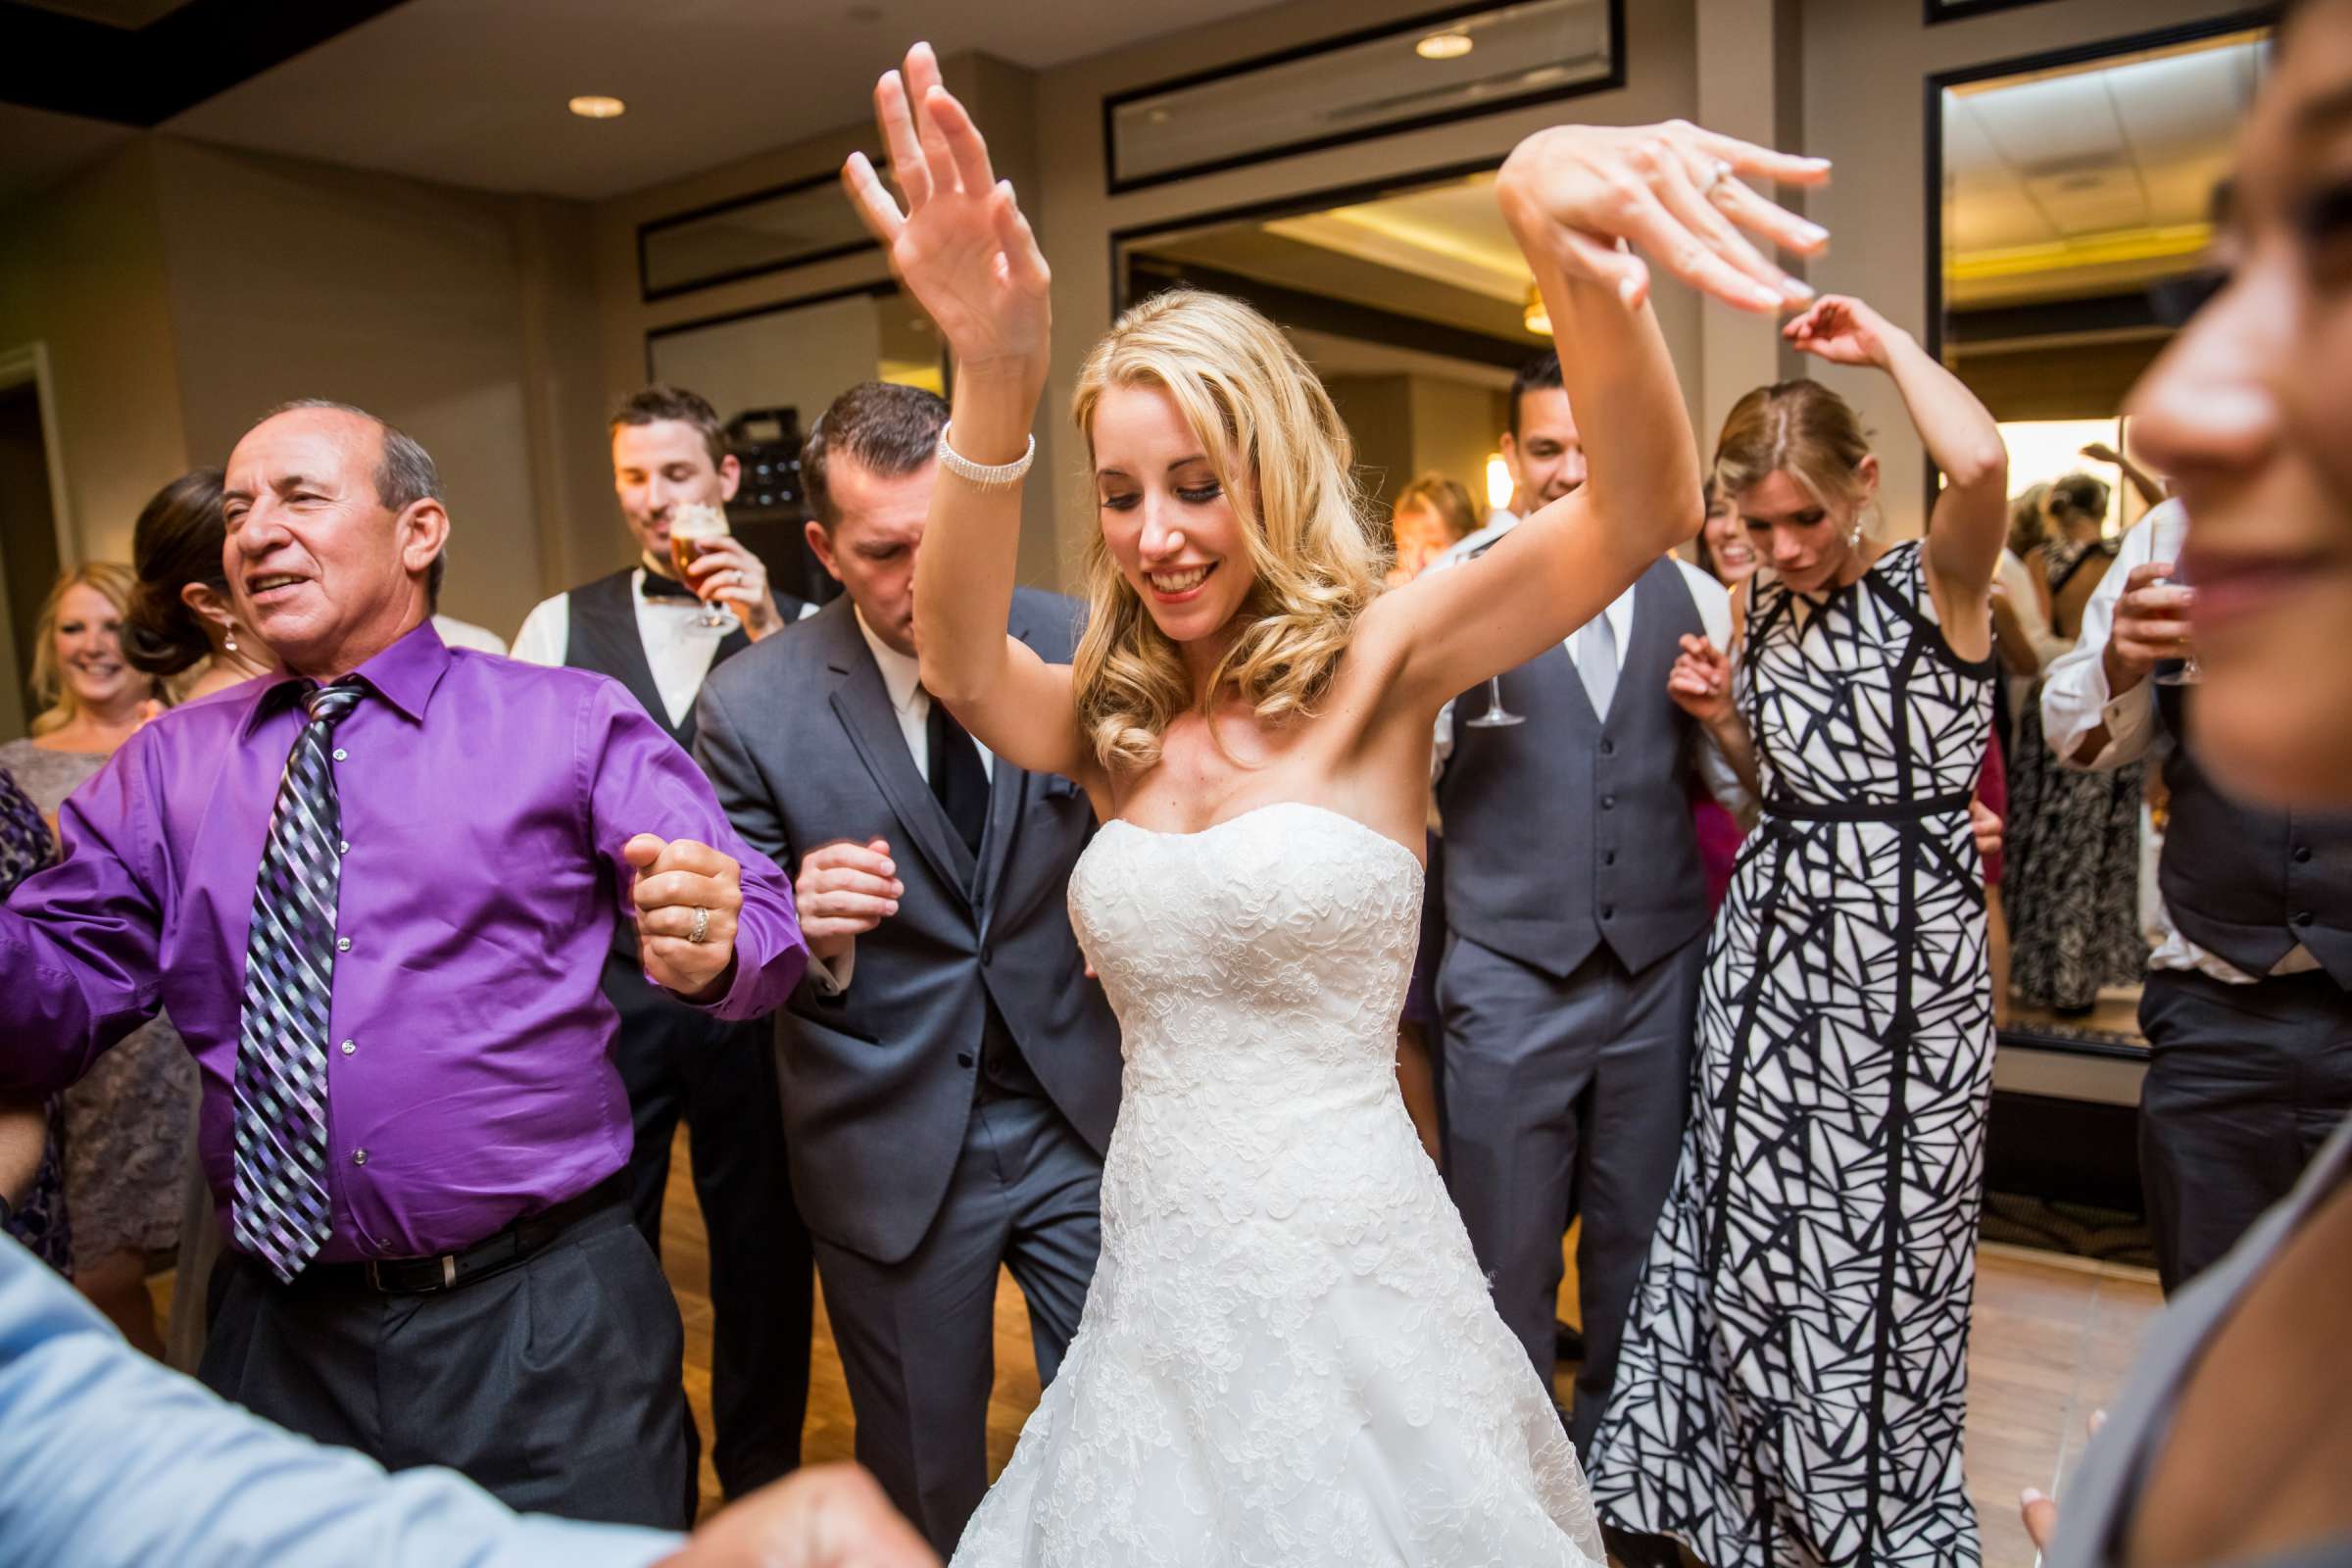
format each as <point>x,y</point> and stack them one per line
<point>2073,850</point>
<point>1791,1385</point>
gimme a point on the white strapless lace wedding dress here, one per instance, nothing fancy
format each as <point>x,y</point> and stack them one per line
<point>1289,1356</point>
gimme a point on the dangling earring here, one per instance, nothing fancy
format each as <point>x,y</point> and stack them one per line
<point>1853,535</point>
<point>229,641</point>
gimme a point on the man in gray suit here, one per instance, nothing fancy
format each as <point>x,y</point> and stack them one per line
<point>950,1074</point>
<point>1578,917</point>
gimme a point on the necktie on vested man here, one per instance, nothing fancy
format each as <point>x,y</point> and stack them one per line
<point>956,776</point>
<point>279,1208</point>
<point>1595,655</point>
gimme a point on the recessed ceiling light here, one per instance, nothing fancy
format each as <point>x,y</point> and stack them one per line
<point>595,106</point>
<point>1444,46</point>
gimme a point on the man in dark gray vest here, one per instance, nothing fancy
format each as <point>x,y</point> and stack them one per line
<point>1578,919</point>
<point>642,625</point>
<point>949,1072</point>
<point>2247,1006</point>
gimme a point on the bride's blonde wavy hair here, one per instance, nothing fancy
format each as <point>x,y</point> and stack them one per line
<point>1285,462</point>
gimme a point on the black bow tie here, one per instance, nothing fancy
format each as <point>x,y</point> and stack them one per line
<point>658,586</point>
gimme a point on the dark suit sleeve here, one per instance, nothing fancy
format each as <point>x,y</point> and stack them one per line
<point>743,794</point>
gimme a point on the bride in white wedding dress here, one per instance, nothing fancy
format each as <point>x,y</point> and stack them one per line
<point>1288,1355</point>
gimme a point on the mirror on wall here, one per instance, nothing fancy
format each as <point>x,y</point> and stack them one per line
<point>2076,206</point>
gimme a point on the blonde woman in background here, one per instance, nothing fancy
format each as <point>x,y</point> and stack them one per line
<point>1793,1382</point>
<point>126,1125</point>
<point>1289,1353</point>
<point>1429,515</point>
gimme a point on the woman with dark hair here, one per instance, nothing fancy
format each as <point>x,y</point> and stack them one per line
<point>1777,1402</point>
<point>183,626</point>
<point>2073,886</point>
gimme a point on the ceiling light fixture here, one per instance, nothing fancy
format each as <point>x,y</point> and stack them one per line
<point>1537,317</point>
<point>1444,46</point>
<point>596,106</point>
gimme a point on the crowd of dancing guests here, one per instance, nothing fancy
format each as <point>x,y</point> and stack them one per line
<point>1710,953</point>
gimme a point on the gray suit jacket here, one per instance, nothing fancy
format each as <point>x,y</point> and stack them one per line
<point>798,738</point>
<point>2097,1502</point>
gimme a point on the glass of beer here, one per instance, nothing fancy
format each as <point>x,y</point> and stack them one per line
<point>692,529</point>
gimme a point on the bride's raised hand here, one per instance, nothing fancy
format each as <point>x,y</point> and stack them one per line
<point>961,246</point>
<point>1675,192</point>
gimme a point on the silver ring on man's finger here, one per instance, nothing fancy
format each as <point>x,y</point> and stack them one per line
<point>700,931</point>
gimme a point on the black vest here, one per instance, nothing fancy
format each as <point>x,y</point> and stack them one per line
<point>603,638</point>
<point>1568,832</point>
<point>2249,883</point>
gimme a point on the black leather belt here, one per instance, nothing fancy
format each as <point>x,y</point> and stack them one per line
<point>446,1271</point>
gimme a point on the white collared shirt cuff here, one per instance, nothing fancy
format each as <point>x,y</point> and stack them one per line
<point>831,979</point>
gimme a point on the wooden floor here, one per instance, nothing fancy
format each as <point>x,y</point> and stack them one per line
<point>2052,1338</point>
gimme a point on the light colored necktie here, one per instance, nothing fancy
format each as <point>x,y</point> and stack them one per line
<point>1595,654</point>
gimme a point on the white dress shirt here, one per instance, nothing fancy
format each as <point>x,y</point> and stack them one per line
<point>1714,602</point>
<point>112,1460</point>
<point>457,633</point>
<point>2076,701</point>
<point>679,652</point>
<point>902,677</point>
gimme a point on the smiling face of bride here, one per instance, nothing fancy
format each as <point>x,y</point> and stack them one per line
<point>1233,555</point>
<point>1167,520</point>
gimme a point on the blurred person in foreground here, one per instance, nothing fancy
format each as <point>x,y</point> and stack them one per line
<point>2233,1435</point>
<point>376,893</point>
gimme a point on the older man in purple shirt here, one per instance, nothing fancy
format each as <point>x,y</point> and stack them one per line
<point>375,895</point>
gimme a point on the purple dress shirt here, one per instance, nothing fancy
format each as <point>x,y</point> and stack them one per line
<point>485,802</point>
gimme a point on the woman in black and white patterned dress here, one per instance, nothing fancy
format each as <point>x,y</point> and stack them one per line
<point>1792,1384</point>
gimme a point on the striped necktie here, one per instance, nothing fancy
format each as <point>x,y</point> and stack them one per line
<point>280,1211</point>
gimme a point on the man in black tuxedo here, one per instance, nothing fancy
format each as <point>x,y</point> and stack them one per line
<point>640,626</point>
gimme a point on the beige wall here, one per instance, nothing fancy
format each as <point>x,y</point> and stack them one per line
<point>184,289</point>
<point>1456,426</point>
<point>294,280</point>
<point>1865,65</point>
<point>82,270</point>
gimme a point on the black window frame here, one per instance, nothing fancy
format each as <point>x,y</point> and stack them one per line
<point>647,294</point>
<point>1114,185</point>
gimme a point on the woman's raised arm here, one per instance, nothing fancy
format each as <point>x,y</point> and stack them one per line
<point>1971,518</point>
<point>1577,198</point>
<point>963,249</point>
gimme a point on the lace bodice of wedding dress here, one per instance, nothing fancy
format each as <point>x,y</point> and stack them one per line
<point>1288,1355</point>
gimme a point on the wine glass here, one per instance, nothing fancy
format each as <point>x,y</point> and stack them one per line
<point>1497,716</point>
<point>692,529</point>
<point>2176,671</point>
